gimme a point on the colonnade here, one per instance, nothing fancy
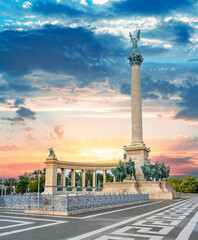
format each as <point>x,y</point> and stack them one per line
<point>52,164</point>
<point>73,175</point>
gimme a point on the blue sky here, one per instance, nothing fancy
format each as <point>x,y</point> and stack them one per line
<point>64,63</point>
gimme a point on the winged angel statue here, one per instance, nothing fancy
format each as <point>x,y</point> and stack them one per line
<point>135,40</point>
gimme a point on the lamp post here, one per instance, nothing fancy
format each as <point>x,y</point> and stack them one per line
<point>39,189</point>
<point>38,186</point>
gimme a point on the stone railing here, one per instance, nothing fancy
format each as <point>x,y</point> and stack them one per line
<point>71,204</point>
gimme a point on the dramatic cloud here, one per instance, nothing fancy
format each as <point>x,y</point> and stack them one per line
<point>4,101</point>
<point>26,113</point>
<point>48,8</point>
<point>13,119</point>
<point>188,104</point>
<point>77,52</point>
<point>151,7</point>
<point>114,9</point>
<point>23,114</point>
<point>152,88</point>
<point>18,102</point>
<point>173,31</point>
<point>9,87</point>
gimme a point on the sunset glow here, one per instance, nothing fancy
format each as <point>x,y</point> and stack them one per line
<point>65,82</point>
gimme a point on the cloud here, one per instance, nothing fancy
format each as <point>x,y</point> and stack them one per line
<point>5,148</point>
<point>26,113</point>
<point>188,104</point>
<point>23,114</point>
<point>13,119</point>
<point>152,88</point>
<point>48,8</point>
<point>173,31</point>
<point>154,51</point>
<point>193,60</point>
<point>150,96</point>
<point>28,129</point>
<point>4,101</point>
<point>18,88</point>
<point>77,52</point>
<point>57,133</point>
<point>18,102</point>
<point>148,8</point>
<point>172,160</point>
<point>115,9</point>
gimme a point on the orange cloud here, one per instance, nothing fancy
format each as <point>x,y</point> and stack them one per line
<point>13,147</point>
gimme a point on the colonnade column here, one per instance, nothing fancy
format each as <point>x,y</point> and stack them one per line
<point>104,176</point>
<point>63,177</point>
<point>94,178</point>
<point>83,177</point>
<point>73,182</point>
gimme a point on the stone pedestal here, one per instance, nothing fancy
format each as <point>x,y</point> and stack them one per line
<point>156,190</point>
<point>51,175</point>
<point>139,155</point>
<point>121,187</point>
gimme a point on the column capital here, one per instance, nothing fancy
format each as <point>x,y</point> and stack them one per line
<point>135,59</point>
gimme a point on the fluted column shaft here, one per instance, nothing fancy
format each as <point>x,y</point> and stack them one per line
<point>73,181</point>
<point>94,178</point>
<point>83,177</point>
<point>136,106</point>
<point>104,176</point>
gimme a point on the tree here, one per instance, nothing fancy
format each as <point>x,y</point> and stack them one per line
<point>88,176</point>
<point>22,185</point>
<point>186,185</point>
<point>109,177</point>
<point>10,182</point>
<point>189,185</point>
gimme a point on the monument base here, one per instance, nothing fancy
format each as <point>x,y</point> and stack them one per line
<point>157,190</point>
<point>50,189</point>
<point>139,154</point>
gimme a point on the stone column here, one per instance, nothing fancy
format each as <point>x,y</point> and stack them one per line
<point>136,103</point>
<point>114,179</point>
<point>73,180</point>
<point>51,174</point>
<point>83,177</point>
<point>63,177</point>
<point>94,178</point>
<point>104,176</point>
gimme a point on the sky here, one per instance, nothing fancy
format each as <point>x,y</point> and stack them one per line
<point>65,81</point>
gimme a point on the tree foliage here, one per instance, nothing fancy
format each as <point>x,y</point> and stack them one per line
<point>187,184</point>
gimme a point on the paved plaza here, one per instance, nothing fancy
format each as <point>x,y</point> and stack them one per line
<point>154,220</point>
